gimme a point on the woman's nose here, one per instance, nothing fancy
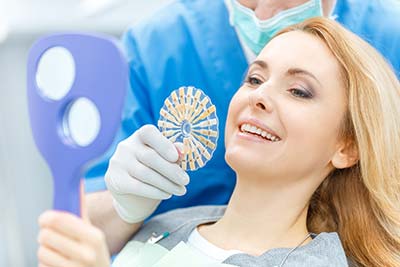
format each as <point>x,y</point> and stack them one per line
<point>259,100</point>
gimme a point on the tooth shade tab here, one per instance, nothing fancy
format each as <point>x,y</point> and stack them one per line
<point>248,128</point>
<point>189,117</point>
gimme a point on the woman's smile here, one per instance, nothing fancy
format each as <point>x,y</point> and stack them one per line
<point>254,130</point>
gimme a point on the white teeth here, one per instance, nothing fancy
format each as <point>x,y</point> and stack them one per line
<point>255,130</point>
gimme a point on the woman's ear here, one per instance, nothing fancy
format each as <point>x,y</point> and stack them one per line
<point>345,156</point>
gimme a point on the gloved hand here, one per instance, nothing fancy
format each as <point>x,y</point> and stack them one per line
<point>142,172</point>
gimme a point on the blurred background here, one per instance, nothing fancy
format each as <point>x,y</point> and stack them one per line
<point>26,185</point>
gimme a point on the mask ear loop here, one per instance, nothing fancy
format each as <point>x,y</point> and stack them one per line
<point>189,119</point>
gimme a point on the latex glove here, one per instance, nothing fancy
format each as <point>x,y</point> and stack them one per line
<point>142,172</point>
<point>67,240</point>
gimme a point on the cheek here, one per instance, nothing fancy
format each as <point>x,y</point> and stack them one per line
<point>235,106</point>
<point>314,132</point>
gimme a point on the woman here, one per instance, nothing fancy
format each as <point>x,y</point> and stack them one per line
<point>313,136</point>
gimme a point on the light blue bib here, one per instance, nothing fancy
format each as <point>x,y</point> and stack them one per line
<point>141,254</point>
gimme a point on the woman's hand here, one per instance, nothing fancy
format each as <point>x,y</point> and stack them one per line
<point>66,240</point>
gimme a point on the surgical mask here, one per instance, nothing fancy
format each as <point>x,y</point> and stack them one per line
<point>256,33</point>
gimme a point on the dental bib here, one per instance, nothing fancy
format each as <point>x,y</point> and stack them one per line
<point>141,254</point>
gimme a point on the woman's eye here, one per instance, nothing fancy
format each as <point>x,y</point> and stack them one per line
<point>253,81</point>
<point>300,93</point>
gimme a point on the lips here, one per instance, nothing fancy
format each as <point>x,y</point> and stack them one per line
<point>252,129</point>
<point>256,127</point>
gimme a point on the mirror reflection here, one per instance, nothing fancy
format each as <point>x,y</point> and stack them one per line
<point>82,122</point>
<point>55,73</point>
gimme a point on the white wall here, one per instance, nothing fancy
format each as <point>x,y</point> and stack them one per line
<point>25,181</point>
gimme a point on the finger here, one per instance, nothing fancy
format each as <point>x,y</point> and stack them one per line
<point>86,255</point>
<point>59,243</point>
<point>172,171</point>
<point>130,185</point>
<point>153,138</point>
<point>67,224</point>
<point>153,178</point>
<point>84,211</point>
<point>48,257</point>
<point>181,150</point>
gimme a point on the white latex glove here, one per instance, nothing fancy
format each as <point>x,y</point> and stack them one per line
<point>142,172</point>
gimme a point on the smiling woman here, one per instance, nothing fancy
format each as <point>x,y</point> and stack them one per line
<point>361,202</point>
<point>311,134</point>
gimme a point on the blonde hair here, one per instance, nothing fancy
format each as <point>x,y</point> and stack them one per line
<point>362,203</point>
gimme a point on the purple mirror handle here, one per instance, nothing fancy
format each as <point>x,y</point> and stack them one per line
<point>66,194</point>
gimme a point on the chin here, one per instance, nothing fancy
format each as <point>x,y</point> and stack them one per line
<point>231,157</point>
<point>248,164</point>
<point>240,161</point>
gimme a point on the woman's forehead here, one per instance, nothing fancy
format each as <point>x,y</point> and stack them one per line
<point>298,49</point>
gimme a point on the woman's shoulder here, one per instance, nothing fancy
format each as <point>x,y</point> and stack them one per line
<point>325,250</point>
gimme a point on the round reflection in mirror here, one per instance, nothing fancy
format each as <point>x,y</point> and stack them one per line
<point>55,73</point>
<point>82,122</point>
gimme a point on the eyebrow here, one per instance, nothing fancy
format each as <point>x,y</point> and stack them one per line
<point>260,63</point>
<point>296,71</point>
<point>291,72</point>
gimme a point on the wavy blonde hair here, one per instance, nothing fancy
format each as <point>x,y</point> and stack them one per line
<point>362,203</point>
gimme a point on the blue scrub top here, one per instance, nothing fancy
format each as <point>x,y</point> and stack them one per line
<point>192,43</point>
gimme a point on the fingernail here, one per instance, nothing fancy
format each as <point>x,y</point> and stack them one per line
<point>184,177</point>
<point>180,192</point>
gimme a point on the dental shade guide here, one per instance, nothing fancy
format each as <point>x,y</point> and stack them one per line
<point>189,117</point>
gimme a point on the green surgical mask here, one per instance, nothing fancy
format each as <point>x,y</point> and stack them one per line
<point>256,33</point>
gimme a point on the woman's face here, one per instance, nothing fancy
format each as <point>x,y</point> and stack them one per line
<point>284,121</point>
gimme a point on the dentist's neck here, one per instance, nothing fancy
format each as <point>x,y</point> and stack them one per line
<point>328,6</point>
<point>264,215</point>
